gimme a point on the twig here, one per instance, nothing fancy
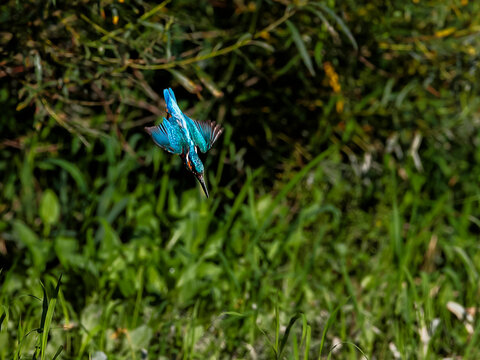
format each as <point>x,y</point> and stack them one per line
<point>223,51</point>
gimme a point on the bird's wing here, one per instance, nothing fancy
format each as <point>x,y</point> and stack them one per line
<point>164,136</point>
<point>204,133</point>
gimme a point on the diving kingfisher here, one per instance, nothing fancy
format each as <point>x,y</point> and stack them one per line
<point>178,134</point>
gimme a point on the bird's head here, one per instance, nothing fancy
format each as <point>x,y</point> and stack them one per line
<point>195,166</point>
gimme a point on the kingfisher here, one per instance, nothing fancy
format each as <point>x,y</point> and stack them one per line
<point>178,134</point>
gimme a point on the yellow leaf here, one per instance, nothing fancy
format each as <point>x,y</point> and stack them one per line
<point>471,50</point>
<point>339,106</point>
<point>265,35</point>
<point>445,32</point>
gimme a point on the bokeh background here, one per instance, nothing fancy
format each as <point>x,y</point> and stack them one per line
<point>344,211</point>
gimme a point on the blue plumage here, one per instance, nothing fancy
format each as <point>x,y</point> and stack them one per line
<point>178,134</point>
<point>168,137</point>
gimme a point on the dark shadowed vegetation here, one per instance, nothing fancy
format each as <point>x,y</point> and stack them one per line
<point>344,212</point>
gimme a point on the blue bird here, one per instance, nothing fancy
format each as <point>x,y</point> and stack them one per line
<point>178,134</point>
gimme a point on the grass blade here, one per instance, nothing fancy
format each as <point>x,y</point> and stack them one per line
<point>73,170</point>
<point>59,351</point>
<point>232,313</point>
<point>329,323</point>
<point>240,198</point>
<point>339,21</point>
<point>304,329</point>
<point>287,188</point>
<point>268,340</point>
<point>297,38</point>
<point>287,331</point>
<point>355,346</point>
<point>307,342</point>
<point>2,318</point>
<point>277,330</point>
<point>47,318</point>
<point>44,309</point>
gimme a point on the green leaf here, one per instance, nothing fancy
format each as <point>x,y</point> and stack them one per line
<point>318,53</point>
<point>297,38</point>
<point>109,240</point>
<point>67,251</point>
<point>73,170</point>
<point>263,45</point>
<point>140,337</point>
<point>38,249</point>
<point>49,208</point>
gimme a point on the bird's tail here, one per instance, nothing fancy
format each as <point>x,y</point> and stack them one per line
<point>168,94</point>
<point>172,107</point>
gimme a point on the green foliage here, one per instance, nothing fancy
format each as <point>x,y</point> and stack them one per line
<point>343,219</point>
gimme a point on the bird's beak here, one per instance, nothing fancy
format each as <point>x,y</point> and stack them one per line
<point>201,180</point>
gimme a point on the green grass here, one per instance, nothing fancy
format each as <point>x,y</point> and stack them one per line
<point>257,280</point>
<point>343,215</point>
